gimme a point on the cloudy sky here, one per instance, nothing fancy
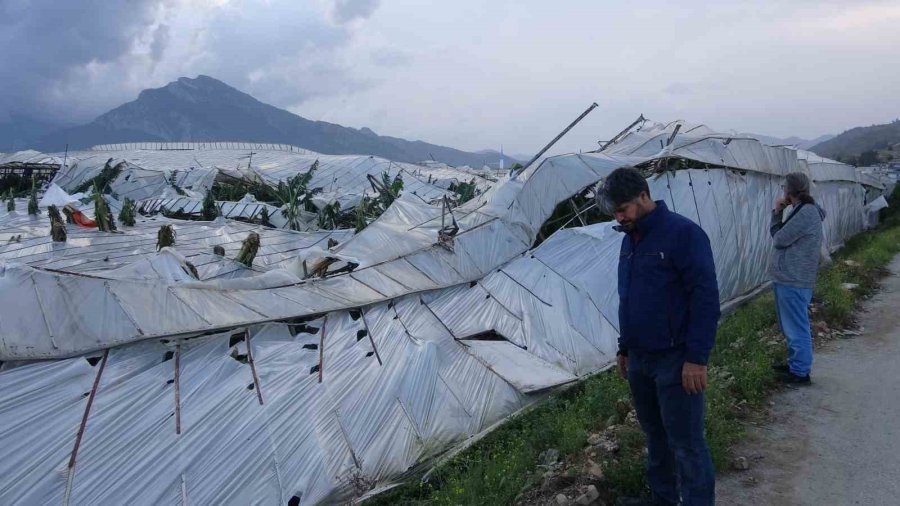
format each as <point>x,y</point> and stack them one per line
<point>471,74</point>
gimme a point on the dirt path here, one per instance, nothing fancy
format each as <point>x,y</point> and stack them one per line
<point>836,442</point>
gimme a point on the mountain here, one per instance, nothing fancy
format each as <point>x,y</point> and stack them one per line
<point>20,132</point>
<point>863,145</point>
<point>799,142</point>
<point>206,109</point>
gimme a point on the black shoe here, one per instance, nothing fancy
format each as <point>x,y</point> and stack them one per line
<point>794,379</point>
<point>781,368</point>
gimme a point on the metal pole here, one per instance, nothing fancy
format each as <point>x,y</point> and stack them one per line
<point>623,132</point>
<point>674,133</point>
<point>558,137</point>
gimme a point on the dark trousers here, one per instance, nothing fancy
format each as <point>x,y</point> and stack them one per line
<point>679,465</point>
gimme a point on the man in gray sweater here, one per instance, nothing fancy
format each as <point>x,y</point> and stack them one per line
<point>798,242</point>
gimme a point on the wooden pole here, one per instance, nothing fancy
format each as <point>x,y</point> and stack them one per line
<point>322,348</point>
<point>253,367</point>
<point>177,388</point>
<point>80,434</point>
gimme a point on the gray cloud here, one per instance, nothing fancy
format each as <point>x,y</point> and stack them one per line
<point>76,59</point>
<point>44,39</point>
<point>470,74</point>
<point>391,57</point>
<point>678,89</point>
<point>349,10</point>
<point>161,37</point>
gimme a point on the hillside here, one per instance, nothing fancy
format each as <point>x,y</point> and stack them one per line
<point>863,145</point>
<point>206,109</point>
<point>799,142</point>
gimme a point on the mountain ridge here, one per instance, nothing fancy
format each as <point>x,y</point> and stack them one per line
<point>205,109</point>
<point>865,145</point>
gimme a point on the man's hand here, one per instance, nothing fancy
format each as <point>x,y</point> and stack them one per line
<point>693,378</point>
<point>622,364</point>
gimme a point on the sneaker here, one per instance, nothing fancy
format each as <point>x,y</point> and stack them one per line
<point>781,368</point>
<point>794,379</point>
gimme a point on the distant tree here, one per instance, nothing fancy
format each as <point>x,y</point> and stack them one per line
<point>867,158</point>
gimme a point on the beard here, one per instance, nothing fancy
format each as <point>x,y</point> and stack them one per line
<point>628,226</point>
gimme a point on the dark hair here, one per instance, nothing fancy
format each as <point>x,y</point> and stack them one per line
<point>620,186</point>
<point>797,185</point>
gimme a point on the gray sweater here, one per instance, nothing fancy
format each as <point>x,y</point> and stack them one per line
<point>798,242</point>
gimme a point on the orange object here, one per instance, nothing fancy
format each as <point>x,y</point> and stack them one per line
<point>82,220</point>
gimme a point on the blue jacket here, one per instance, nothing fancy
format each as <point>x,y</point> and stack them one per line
<point>668,294</point>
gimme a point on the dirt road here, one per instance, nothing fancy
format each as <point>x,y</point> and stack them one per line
<point>836,442</point>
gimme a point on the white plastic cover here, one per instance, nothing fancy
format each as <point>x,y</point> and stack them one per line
<point>398,343</point>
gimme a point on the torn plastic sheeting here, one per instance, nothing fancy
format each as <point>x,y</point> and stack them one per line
<point>588,257</point>
<point>373,277</point>
<point>520,368</point>
<point>487,247</point>
<point>92,250</point>
<point>572,335</point>
<point>872,209</point>
<point>49,395</point>
<point>404,273</point>
<point>167,266</point>
<point>130,416</point>
<point>56,196</point>
<point>470,311</point>
<point>394,233</point>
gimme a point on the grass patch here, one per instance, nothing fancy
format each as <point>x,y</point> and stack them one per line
<point>497,469</point>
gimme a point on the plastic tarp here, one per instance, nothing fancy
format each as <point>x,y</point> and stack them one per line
<point>402,247</point>
<point>56,196</point>
<point>388,366</point>
<point>89,250</point>
<point>341,178</point>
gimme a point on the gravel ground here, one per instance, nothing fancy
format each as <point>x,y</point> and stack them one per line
<point>836,442</point>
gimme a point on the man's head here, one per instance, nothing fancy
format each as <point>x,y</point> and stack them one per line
<point>625,194</point>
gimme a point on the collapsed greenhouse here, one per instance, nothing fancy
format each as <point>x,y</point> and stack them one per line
<point>336,361</point>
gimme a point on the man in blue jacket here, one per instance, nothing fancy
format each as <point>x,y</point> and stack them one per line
<point>668,313</point>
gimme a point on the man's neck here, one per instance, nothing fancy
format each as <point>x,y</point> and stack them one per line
<point>648,208</point>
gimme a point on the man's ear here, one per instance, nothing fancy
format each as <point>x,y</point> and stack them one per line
<point>645,198</point>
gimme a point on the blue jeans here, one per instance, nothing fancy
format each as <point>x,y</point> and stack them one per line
<point>792,308</point>
<point>678,461</point>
